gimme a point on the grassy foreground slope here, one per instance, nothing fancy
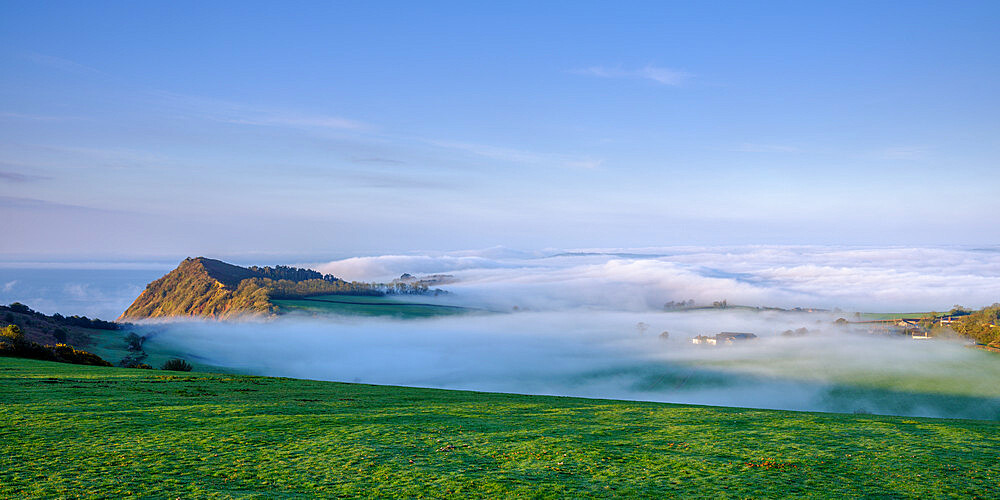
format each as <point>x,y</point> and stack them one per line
<point>102,432</point>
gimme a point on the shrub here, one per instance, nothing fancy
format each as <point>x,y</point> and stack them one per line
<point>30,350</point>
<point>60,335</point>
<point>12,333</point>
<point>134,342</point>
<point>177,365</point>
<point>68,354</point>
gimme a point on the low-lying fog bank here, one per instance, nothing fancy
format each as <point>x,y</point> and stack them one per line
<point>856,279</point>
<point>588,353</point>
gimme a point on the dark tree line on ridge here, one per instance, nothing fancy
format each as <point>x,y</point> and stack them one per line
<point>80,321</point>
<point>278,273</point>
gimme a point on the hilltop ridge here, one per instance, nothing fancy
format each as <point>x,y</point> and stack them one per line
<point>200,287</point>
<point>210,288</point>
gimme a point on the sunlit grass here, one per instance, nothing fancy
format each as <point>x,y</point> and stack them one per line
<point>102,432</point>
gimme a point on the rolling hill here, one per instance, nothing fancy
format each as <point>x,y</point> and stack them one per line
<point>211,288</point>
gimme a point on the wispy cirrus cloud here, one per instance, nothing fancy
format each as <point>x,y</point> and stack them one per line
<point>378,161</point>
<point>521,156</point>
<point>58,63</point>
<point>660,75</point>
<point>902,153</point>
<point>749,147</point>
<point>297,120</point>
<point>223,111</point>
<point>17,203</point>
<point>35,118</point>
<point>11,176</point>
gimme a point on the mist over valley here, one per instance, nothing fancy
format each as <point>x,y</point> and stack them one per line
<point>615,324</point>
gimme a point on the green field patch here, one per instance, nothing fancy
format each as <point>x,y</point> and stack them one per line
<point>76,431</point>
<point>974,376</point>
<point>366,305</point>
<point>882,316</point>
<point>110,345</point>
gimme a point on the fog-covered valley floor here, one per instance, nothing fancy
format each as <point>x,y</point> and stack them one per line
<point>605,355</point>
<point>589,323</point>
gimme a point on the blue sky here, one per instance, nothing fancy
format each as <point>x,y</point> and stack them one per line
<point>177,128</point>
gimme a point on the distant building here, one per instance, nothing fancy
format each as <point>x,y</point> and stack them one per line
<point>733,337</point>
<point>724,338</point>
<point>703,339</point>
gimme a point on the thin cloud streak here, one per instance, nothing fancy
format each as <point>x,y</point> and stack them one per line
<point>301,121</point>
<point>10,176</point>
<point>902,153</point>
<point>521,156</point>
<point>58,63</point>
<point>36,118</point>
<point>660,75</point>
<point>749,147</point>
<point>379,161</point>
<point>241,114</point>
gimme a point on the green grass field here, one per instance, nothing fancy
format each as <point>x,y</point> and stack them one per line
<point>880,316</point>
<point>110,345</point>
<point>73,431</point>
<point>402,307</point>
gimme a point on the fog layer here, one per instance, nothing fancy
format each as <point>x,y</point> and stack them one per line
<point>608,355</point>
<point>865,279</point>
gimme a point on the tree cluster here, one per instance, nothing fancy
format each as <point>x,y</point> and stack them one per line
<point>278,273</point>
<point>983,325</point>
<point>85,322</point>
<point>288,289</point>
<point>674,305</point>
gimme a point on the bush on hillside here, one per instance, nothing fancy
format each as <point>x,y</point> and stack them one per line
<point>134,342</point>
<point>12,334</point>
<point>177,365</point>
<point>134,363</point>
<point>68,354</point>
<point>30,350</point>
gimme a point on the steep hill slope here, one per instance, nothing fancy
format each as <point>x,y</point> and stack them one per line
<point>214,289</point>
<point>201,287</point>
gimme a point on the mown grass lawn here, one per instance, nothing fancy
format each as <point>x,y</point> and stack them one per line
<point>77,431</point>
